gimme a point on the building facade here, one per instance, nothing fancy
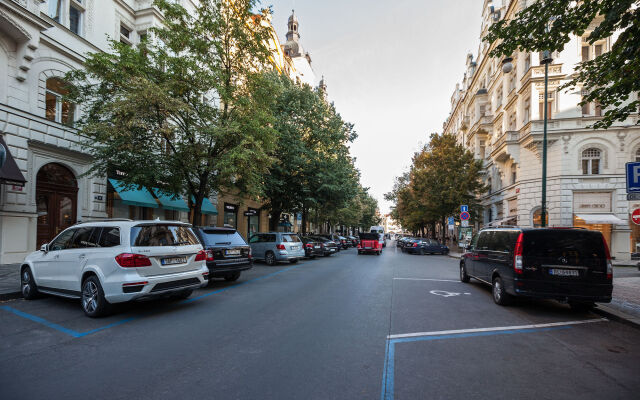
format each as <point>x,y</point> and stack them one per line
<point>499,117</point>
<point>43,185</point>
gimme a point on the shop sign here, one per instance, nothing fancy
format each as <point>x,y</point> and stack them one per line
<point>230,207</point>
<point>590,202</point>
<point>250,213</point>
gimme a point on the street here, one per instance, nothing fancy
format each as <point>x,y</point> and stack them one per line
<point>342,327</point>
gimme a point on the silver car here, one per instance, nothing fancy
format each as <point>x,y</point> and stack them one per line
<point>276,246</point>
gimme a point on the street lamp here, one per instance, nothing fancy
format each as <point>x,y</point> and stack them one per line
<point>507,65</point>
<point>546,60</point>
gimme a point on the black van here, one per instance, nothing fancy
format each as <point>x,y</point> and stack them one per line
<point>567,264</point>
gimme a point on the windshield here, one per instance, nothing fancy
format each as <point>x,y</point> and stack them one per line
<point>162,235</point>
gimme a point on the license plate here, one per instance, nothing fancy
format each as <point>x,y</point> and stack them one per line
<point>564,272</point>
<point>367,248</point>
<point>294,247</point>
<point>316,247</point>
<point>173,260</point>
<point>333,249</point>
<point>234,252</point>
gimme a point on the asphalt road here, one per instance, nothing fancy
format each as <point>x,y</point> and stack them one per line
<point>320,330</point>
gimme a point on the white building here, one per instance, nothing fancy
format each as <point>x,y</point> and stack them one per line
<point>499,117</point>
<point>293,48</point>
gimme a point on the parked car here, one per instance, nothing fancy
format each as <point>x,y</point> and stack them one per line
<point>335,239</point>
<point>228,254</point>
<point>328,246</point>
<point>276,247</point>
<point>344,243</point>
<point>426,246</point>
<point>312,247</point>
<point>571,265</point>
<point>113,261</point>
<point>369,243</point>
<point>408,242</point>
<point>354,240</point>
<point>400,241</point>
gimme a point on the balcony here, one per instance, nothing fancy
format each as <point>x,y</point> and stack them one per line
<point>506,146</point>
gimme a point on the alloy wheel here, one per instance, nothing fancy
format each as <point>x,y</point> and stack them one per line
<point>90,297</point>
<point>497,290</point>
<point>26,283</point>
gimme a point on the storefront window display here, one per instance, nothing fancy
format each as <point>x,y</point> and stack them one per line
<point>230,215</point>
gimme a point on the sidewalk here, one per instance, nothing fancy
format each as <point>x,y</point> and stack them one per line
<point>9,281</point>
<point>625,304</point>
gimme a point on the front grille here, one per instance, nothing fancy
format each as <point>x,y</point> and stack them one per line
<point>175,284</point>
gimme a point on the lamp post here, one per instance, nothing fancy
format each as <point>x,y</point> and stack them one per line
<point>546,60</point>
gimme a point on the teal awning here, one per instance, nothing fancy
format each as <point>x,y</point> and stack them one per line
<point>171,201</point>
<point>207,206</point>
<point>134,197</point>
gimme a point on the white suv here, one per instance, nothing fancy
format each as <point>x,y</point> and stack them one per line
<point>114,261</point>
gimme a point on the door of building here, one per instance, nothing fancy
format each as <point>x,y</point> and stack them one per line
<point>56,200</point>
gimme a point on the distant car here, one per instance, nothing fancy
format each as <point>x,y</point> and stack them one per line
<point>312,247</point>
<point>335,239</point>
<point>369,243</point>
<point>113,261</point>
<point>328,246</point>
<point>570,265</point>
<point>344,243</point>
<point>274,247</point>
<point>228,254</point>
<point>426,246</point>
<point>354,240</point>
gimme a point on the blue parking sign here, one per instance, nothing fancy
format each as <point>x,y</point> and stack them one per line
<point>451,221</point>
<point>633,177</point>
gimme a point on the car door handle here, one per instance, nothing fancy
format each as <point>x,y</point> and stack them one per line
<point>82,256</point>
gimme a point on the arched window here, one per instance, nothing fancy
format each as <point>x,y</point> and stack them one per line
<point>537,218</point>
<point>57,109</point>
<point>591,161</point>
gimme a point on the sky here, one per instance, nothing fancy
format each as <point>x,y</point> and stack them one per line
<point>390,68</point>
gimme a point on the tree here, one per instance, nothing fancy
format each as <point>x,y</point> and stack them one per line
<point>187,111</point>
<point>611,78</point>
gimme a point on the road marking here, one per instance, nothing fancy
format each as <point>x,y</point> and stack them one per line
<point>426,279</point>
<point>497,328</point>
<point>388,374</point>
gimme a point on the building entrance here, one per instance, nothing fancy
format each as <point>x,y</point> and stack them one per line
<point>56,199</point>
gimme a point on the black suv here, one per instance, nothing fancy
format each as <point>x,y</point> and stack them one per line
<point>565,264</point>
<point>228,254</point>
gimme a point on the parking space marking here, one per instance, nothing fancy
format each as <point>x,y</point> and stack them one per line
<point>426,279</point>
<point>498,328</point>
<point>77,334</point>
<point>388,374</point>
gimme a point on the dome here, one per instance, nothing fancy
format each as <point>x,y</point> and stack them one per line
<point>293,17</point>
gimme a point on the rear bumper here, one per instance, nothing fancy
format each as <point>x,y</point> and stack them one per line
<point>220,271</point>
<point>563,291</point>
<point>158,286</point>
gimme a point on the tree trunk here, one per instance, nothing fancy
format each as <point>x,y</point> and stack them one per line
<point>304,220</point>
<point>196,214</point>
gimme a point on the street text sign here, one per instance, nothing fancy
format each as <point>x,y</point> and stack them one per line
<point>633,177</point>
<point>635,216</point>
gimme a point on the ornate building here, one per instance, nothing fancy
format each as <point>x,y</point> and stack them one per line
<point>293,49</point>
<point>499,117</point>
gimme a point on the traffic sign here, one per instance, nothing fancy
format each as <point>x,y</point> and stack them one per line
<point>633,196</point>
<point>633,177</point>
<point>635,216</point>
<point>451,221</point>
<point>465,215</point>
<point>464,208</point>
<point>465,223</point>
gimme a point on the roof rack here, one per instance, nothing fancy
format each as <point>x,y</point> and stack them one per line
<point>105,220</point>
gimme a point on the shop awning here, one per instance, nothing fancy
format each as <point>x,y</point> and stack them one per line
<point>609,219</point>
<point>207,206</point>
<point>171,201</point>
<point>134,197</point>
<point>9,172</point>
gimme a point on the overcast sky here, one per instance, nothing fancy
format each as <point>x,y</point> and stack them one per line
<point>390,68</point>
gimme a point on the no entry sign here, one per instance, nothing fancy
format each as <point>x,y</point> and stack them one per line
<point>635,216</point>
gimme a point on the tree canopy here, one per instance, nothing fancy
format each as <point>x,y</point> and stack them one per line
<point>611,78</point>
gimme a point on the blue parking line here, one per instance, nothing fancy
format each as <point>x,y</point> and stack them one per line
<point>77,334</point>
<point>388,375</point>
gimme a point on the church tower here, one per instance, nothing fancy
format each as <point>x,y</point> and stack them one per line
<point>292,47</point>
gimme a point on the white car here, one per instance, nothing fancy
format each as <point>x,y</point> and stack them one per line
<point>114,261</point>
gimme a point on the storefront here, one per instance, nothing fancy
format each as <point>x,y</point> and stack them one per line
<point>592,210</point>
<point>253,221</point>
<point>230,215</point>
<point>635,230</point>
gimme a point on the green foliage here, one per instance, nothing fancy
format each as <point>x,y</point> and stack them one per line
<point>185,111</point>
<point>611,78</point>
<point>443,176</point>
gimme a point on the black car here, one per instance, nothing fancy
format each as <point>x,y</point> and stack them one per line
<point>402,241</point>
<point>344,243</point>
<point>354,240</point>
<point>328,246</point>
<point>335,239</point>
<point>228,254</point>
<point>570,265</point>
<point>426,246</point>
<point>312,247</point>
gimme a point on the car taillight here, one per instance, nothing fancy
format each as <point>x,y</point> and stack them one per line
<point>517,255</point>
<point>415,245</point>
<point>608,255</point>
<point>280,246</point>
<point>308,246</point>
<point>250,253</point>
<point>128,260</point>
<point>201,256</point>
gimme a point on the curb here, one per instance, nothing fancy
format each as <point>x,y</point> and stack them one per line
<point>618,316</point>
<point>10,295</point>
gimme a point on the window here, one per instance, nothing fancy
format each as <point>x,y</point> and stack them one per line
<point>586,109</point>
<point>598,49</point>
<point>57,109</point>
<point>85,237</point>
<point>527,62</point>
<point>230,215</point>
<point>482,149</point>
<point>142,37</point>
<point>527,112</point>
<point>490,186</point>
<point>513,173</point>
<point>585,53</point>
<point>162,235</point>
<point>591,162</point>
<point>62,241</point>
<point>638,155</point>
<point>550,100</point>
<point>55,8</point>
<point>75,16</point>
<point>597,109</point>
<point>110,237</point>
<point>125,34</point>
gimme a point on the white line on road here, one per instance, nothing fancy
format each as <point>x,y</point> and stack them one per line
<point>498,328</point>
<point>425,279</point>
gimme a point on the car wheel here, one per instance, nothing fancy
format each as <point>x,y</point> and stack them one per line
<point>181,295</point>
<point>378,252</point>
<point>232,277</point>
<point>270,258</point>
<point>93,302</point>
<point>463,273</point>
<point>28,285</point>
<point>500,295</point>
<point>581,306</point>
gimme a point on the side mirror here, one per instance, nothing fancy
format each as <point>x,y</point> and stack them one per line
<point>44,248</point>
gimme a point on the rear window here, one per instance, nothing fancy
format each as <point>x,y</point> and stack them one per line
<point>290,238</point>
<point>213,237</point>
<point>575,246</point>
<point>162,235</point>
